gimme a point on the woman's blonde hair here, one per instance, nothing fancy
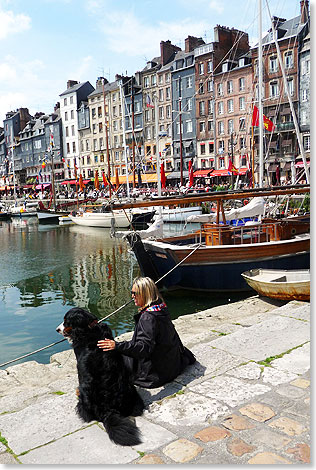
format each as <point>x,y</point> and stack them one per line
<point>146,289</point>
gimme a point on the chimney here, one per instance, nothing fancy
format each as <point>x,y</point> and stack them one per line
<point>304,11</point>
<point>167,50</point>
<point>192,42</point>
<point>71,83</point>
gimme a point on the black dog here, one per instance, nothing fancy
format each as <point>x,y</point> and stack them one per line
<point>106,392</point>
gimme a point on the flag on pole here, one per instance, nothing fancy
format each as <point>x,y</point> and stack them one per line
<point>81,185</point>
<point>231,168</point>
<point>105,181</point>
<point>268,124</point>
<point>96,180</point>
<point>148,102</point>
<point>163,176</point>
<point>190,168</point>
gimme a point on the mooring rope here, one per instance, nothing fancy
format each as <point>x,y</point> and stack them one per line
<point>102,319</point>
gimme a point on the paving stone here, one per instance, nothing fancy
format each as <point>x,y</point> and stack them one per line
<point>151,459</point>
<point>239,447</point>
<point>7,382</point>
<point>153,395</point>
<point>182,450</point>
<point>89,446</point>
<point>23,397</point>
<point>301,383</point>
<point>33,374</point>
<point>250,371</point>
<point>153,435</point>
<point>267,437</point>
<point>290,391</point>
<point>297,361</point>
<point>268,458</point>
<point>258,412</point>
<point>230,390</point>
<point>7,459</point>
<point>300,313</point>
<point>187,409</point>
<point>288,426</point>
<point>299,408</point>
<point>276,376</point>
<point>300,452</point>
<point>237,423</point>
<point>46,420</point>
<point>268,338</point>
<point>211,434</point>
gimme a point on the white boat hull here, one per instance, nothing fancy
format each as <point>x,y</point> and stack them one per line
<point>178,214</point>
<point>118,218</point>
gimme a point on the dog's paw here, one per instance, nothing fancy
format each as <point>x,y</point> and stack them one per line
<point>77,392</point>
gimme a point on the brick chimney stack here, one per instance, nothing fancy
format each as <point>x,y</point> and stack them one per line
<point>167,50</point>
<point>192,42</point>
<point>304,11</point>
<point>71,83</point>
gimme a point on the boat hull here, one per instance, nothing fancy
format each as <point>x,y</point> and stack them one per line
<point>217,268</point>
<point>49,217</point>
<point>102,219</point>
<point>277,284</point>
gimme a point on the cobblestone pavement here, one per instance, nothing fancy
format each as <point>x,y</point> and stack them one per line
<point>245,401</point>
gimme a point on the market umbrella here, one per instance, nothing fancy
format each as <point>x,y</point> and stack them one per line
<point>96,180</point>
<point>162,176</point>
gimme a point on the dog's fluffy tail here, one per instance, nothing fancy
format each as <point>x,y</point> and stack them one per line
<point>121,430</point>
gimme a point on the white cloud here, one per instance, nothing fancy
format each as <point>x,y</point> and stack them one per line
<point>217,6</point>
<point>12,23</point>
<point>84,68</point>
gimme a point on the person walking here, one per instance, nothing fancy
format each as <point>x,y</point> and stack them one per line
<point>155,355</point>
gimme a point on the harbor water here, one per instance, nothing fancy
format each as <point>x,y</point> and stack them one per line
<point>48,269</point>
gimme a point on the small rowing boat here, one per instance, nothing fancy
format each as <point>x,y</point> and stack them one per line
<point>279,283</point>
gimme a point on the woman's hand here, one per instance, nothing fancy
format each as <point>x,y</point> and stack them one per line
<point>106,344</point>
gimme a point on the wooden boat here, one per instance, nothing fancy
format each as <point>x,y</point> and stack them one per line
<point>280,284</point>
<point>214,257</point>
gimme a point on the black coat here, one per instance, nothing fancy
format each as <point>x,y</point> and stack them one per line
<point>155,353</point>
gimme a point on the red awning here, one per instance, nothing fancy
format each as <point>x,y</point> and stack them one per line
<point>242,171</point>
<point>75,182</point>
<point>300,164</point>
<point>202,173</point>
<point>44,185</point>
<point>222,172</point>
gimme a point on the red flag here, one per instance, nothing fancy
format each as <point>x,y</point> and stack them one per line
<point>268,124</point>
<point>81,185</point>
<point>96,180</point>
<point>231,168</point>
<point>162,176</point>
<point>190,167</point>
<point>105,182</point>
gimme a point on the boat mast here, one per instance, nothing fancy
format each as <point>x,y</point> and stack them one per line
<point>53,175</point>
<point>298,133</point>
<point>13,163</point>
<point>157,146</point>
<point>124,134</point>
<point>107,140</point>
<point>260,107</point>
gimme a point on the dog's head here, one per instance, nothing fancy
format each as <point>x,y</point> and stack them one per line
<point>79,323</point>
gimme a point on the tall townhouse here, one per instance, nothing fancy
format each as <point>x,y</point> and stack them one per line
<point>234,92</point>
<point>280,147</point>
<point>12,125</point>
<point>117,144</point>
<point>85,163</point>
<point>213,64</point>
<point>70,101</point>
<point>304,87</point>
<point>183,109</point>
<point>38,156</point>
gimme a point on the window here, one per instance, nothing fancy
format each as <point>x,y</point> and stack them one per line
<point>201,88</point>
<point>148,133</point>
<point>146,82</point>
<point>94,128</point>
<point>242,124</point>
<point>167,77</point>
<point>168,93</point>
<point>202,147</point>
<point>211,150</point>
<point>210,125</point>
<point>37,144</point>
<point>304,95</point>
<point>137,107</point>
<point>242,84</point>
<point>114,111</point>
<point>210,106</point>
<point>146,115</point>
<point>230,126</point>
<point>288,60</point>
<point>221,146</point>
<point>93,113</point>
<point>73,130</point>
<point>189,126</point>
<point>242,142</point>
<point>274,89</point>
<point>160,79</point>
<point>220,107</point>
<point>189,82</point>
<point>71,100</point>
<point>201,68</point>
<point>66,116</point>
<point>209,66</point>
<point>65,101</point>
<point>189,104</point>
<point>242,103</point>
<point>230,86</point>
<point>230,106</point>
<point>115,126</point>
<point>220,91</point>
<point>168,111</point>
<point>306,66</point>
<point>178,127</point>
<point>209,86</point>
<point>87,145</point>
<point>202,108</point>
<point>101,143</point>
<point>273,64</point>
<point>202,126</point>
<point>221,127</point>
<point>153,80</point>
<point>306,142</point>
<point>161,112</point>
<point>72,114</point>
<point>74,147</point>
<point>290,84</point>
<point>67,131</point>
<point>222,163</point>
<point>161,95</point>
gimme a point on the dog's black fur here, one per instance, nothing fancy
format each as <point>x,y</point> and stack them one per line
<point>106,392</point>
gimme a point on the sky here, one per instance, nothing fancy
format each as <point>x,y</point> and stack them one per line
<point>44,43</point>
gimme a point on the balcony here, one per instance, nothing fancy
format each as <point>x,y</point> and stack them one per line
<point>285,126</point>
